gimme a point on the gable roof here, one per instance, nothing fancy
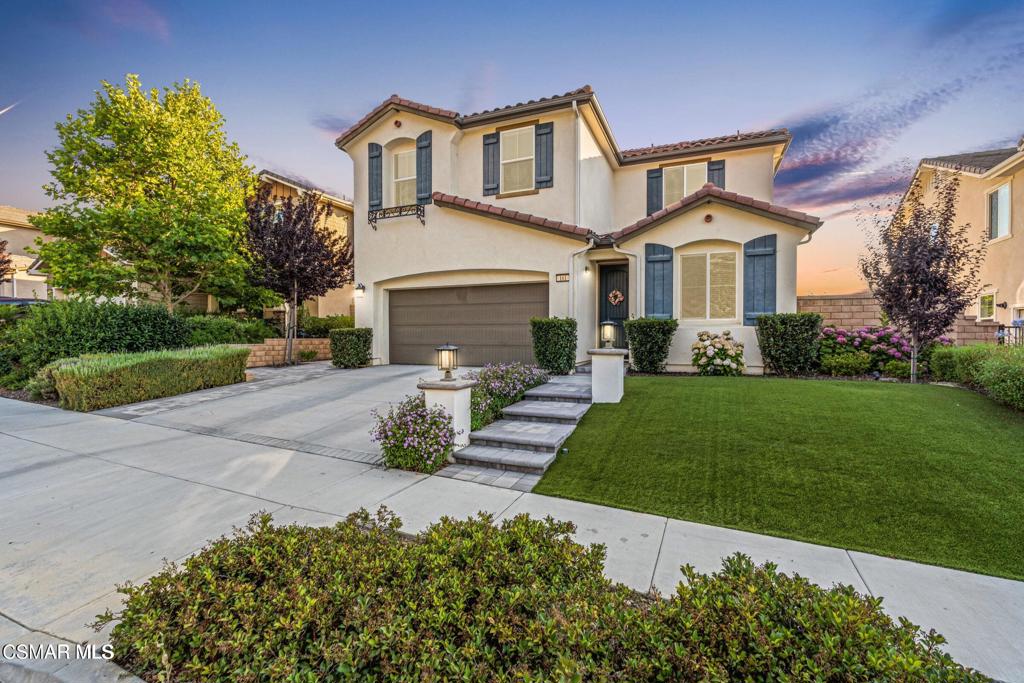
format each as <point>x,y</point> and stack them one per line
<point>304,186</point>
<point>973,162</point>
<point>707,194</point>
<point>12,215</point>
<point>579,95</point>
<point>712,194</point>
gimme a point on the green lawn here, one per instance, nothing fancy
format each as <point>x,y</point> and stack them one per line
<point>926,473</point>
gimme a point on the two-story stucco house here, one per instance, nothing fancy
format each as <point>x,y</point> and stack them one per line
<point>991,199</point>
<point>467,225</point>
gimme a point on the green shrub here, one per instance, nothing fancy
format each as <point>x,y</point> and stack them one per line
<point>414,436</point>
<point>1001,376</point>
<point>350,347</point>
<point>307,355</point>
<point>649,341</point>
<point>321,327</point>
<point>471,600</point>
<point>221,329</point>
<point>714,354</point>
<point>960,364</point>
<point>554,344</point>
<point>99,381</point>
<point>789,342</point>
<point>898,369</point>
<point>43,385</point>
<point>65,329</point>
<point>847,364</point>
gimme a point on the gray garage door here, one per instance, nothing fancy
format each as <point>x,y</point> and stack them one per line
<point>489,323</point>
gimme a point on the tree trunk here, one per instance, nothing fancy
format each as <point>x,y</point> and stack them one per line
<point>291,326</point>
<point>913,358</point>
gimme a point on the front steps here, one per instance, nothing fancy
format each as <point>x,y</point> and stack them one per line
<point>532,432</point>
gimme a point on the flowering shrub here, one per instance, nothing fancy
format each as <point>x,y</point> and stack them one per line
<point>499,387</point>
<point>413,436</point>
<point>881,343</point>
<point>717,354</point>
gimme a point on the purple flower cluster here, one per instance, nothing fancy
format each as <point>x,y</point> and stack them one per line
<point>507,382</point>
<point>883,343</point>
<point>413,436</point>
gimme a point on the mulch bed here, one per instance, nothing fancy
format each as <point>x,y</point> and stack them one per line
<point>24,395</point>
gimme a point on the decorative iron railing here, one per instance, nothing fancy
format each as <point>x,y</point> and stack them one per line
<point>1010,335</point>
<point>418,210</point>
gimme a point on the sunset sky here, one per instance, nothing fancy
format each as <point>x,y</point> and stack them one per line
<point>866,88</point>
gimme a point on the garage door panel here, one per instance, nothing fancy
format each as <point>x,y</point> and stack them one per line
<point>489,323</point>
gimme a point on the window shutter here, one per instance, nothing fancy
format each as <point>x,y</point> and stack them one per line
<point>544,155</point>
<point>423,183</point>
<point>716,173</point>
<point>658,281</point>
<point>993,215</point>
<point>758,278</point>
<point>375,174</point>
<point>653,190</point>
<point>492,164</point>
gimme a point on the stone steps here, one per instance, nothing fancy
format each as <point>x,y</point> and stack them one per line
<point>559,391</point>
<point>543,437</point>
<point>558,412</point>
<point>508,459</point>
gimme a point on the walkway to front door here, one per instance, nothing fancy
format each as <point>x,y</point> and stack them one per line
<point>614,302</point>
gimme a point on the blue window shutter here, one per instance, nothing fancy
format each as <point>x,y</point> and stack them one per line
<point>716,173</point>
<point>658,281</point>
<point>375,175</point>
<point>654,189</point>
<point>492,164</point>
<point>993,214</point>
<point>423,182</point>
<point>758,278</point>
<point>544,155</point>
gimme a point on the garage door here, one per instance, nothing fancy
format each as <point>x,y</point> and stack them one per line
<point>489,323</point>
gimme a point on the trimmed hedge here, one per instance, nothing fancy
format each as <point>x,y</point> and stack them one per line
<point>649,341</point>
<point>960,364</point>
<point>554,344</point>
<point>220,329</point>
<point>789,342</point>
<point>847,364</point>
<point>898,369</point>
<point>92,382</point>
<point>65,329</point>
<point>351,347</point>
<point>470,600</point>
<point>311,326</point>
<point>997,371</point>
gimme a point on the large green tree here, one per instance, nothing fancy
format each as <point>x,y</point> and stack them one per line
<point>150,198</point>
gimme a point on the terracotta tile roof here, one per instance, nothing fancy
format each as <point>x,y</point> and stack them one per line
<point>973,162</point>
<point>396,102</point>
<point>697,145</point>
<point>525,219</point>
<point>511,108</point>
<point>711,193</point>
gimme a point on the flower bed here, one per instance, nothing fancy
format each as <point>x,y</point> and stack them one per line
<point>413,436</point>
<point>499,386</point>
<point>881,343</point>
<point>717,354</point>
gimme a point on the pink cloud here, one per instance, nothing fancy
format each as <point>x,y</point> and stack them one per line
<point>137,15</point>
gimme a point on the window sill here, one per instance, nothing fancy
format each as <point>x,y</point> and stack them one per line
<point>519,193</point>
<point>996,240</point>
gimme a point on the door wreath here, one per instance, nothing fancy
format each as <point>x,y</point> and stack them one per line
<point>615,297</point>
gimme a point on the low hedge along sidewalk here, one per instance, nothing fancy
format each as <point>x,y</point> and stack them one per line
<point>100,381</point>
<point>997,371</point>
<point>470,600</point>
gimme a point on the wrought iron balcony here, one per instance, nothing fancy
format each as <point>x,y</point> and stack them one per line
<point>418,210</point>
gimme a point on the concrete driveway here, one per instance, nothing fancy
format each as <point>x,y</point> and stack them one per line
<point>89,501</point>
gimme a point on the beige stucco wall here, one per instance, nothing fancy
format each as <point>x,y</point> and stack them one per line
<point>1002,272</point>
<point>20,238</point>
<point>597,184</point>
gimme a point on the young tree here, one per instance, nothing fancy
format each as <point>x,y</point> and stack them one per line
<point>151,197</point>
<point>6,263</point>
<point>293,253</point>
<point>921,266</point>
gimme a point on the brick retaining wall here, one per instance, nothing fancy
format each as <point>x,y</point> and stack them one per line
<point>272,351</point>
<point>860,309</point>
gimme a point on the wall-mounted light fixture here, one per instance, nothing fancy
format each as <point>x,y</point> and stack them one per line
<point>607,333</point>
<point>360,289</point>
<point>447,360</point>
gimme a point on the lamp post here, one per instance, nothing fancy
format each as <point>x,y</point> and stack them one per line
<point>447,360</point>
<point>607,333</point>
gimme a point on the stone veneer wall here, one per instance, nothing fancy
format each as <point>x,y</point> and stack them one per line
<point>272,351</point>
<point>860,309</point>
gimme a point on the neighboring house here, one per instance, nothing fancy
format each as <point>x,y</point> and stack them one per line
<point>991,199</point>
<point>26,282</point>
<point>468,225</point>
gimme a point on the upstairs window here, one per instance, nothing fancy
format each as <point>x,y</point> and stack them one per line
<point>682,181</point>
<point>709,286</point>
<point>405,178</point>
<point>999,212</point>
<point>517,165</point>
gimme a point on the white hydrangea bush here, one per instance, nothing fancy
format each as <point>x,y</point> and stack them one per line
<point>717,354</point>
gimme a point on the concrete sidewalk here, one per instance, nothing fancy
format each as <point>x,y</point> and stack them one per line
<point>88,501</point>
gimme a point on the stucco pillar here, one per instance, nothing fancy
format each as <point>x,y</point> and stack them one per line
<point>453,396</point>
<point>607,372</point>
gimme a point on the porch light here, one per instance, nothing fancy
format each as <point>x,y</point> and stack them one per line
<point>607,333</point>
<point>360,289</point>
<point>447,360</point>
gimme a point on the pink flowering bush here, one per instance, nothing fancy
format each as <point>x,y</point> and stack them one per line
<point>413,436</point>
<point>717,354</point>
<point>881,343</point>
<point>499,386</point>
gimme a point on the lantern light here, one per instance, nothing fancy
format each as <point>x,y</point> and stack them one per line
<point>447,360</point>
<point>608,333</point>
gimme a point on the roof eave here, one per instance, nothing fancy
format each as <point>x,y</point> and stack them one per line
<point>350,136</point>
<point>513,221</point>
<point>519,111</point>
<point>704,150</point>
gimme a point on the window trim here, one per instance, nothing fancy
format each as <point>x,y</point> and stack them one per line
<point>502,161</point>
<point>983,295</point>
<point>1009,210</point>
<point>395,179</point>
<point>685,166</point>
<point>707,254</point>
